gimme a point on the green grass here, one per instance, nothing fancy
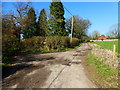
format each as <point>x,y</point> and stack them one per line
<point>51,50</point>
<point>3,65</point>
<point>108,45</point>
<point>9,60</point>
<point>41,50</point>
<point>104,75</point>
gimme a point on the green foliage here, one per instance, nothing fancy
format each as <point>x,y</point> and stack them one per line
<point>53,42</point>
<point>44,50</point>
<point>103,74</point>
<point>58,42</point>
<point>34,43</point>
<point>48,43</point>
<point>75,42</point>
<point>56,9</point>
<point>56,21</point>
<point>111,37</point>
<point>3,65</point>
<point>42,29</point>
<point>9,27</point>
<point>80,27</point>
<point>102,39</point>
<point>66,42</point>
<point>41,36</point>
<point>108,45</point>
<point>6,25</point>
<point>10,46</point>
<point>30,24</point>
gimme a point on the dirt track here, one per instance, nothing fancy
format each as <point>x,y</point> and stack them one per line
<point>50,70</point>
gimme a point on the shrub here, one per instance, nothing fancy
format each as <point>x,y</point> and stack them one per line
<point>58,42</point>
<point>33,43</point>
<point>49,42</point>
<point>65,42</point>
<point>53,42</point>
<point>75,42</point>
<point>10,45</point>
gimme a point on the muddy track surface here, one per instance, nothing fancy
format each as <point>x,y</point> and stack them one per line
<point>49,70</point>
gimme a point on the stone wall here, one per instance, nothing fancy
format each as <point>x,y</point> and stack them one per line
<point>105,55</point>
<point>107,40</point>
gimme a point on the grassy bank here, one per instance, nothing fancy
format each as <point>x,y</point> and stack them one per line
<point>51,50</point>
<point>9,60</point>
<point>102,74</point>
<point>108,44</point>
<point>12,46</point>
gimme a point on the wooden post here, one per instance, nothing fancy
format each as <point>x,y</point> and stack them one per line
<point>71,30</point>
<point>114,47</point>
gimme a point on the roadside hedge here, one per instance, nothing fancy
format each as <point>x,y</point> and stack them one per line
<point>10,47</point>
<point>49,42</point>
<point>33,43</point>
<point>11,44</point>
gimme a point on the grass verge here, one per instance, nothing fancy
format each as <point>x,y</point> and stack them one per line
<point>3,65</point>
<point>108,45</point>
<point>51,50</point>
<point>102,74</point>
<point>9,60</point>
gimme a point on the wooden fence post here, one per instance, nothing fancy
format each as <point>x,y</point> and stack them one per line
<point>114,47</point>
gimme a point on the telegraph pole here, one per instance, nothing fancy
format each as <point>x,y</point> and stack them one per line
<point>72,29</point>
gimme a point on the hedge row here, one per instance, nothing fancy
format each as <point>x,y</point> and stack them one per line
<point>50,42</point>
<point>11,45</point>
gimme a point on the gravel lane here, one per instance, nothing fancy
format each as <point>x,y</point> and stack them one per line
<point>51,70</point>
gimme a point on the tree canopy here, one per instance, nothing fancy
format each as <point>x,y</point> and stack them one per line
<point>42,24</point>
<point>56,22</point>
<point>80,27</point>
<point>30,24</point>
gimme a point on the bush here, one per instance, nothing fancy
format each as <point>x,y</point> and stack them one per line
<point>34,43</point>
<point>66,42</point>
<point>49,42</point>
<point>58,42</point>
<point>53,42</point>
<point>10,45</point>
<point>75,42</point>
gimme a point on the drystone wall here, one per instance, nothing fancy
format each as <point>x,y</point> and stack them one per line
<point>105,55</point>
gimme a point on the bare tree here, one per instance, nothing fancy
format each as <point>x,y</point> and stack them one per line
<point>113,32</point>
<point>20,18</point>
<point>95,34</point>
<point>80,27</point>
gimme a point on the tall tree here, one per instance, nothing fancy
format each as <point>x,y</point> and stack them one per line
<point>42,24</point>
<point>57,23</point>
<point>30,24</point>
<point>80,27</point>
<point>22,9</point>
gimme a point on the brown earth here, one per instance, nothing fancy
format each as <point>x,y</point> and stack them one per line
<point>49,70</point>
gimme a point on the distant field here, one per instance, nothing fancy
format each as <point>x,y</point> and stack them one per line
<point>108,44</point>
